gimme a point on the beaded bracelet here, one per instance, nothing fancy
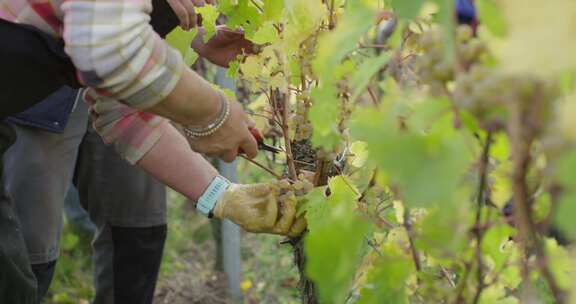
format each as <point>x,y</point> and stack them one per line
<point>214,125</point>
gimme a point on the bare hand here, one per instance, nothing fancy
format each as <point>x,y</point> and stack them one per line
<point>232,137</point>
<point>186,13</point>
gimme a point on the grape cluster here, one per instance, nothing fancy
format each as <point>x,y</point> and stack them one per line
<point>481,92</point>
<point>470,49</point>
<point>436,70</point>
<point>291,191</point>
<point>432,66</point>
<point>488,95</point>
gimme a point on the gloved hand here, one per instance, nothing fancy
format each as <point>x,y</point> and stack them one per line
<point>262,208</point>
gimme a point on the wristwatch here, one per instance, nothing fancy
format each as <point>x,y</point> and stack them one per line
<point>211,195</point>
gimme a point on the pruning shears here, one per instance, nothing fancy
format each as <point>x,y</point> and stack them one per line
<point>261,144</point>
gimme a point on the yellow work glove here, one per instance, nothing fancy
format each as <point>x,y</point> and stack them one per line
<point>262,208</point>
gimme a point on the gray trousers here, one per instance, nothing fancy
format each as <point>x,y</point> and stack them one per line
<point>38,170</point>
<point>17,282</point>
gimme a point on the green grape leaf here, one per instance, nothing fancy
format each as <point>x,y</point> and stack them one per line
<point>182,41</point>
<point>351,27</point>
<point>445,18</point>
<point>493,241</point>
<point>252,67</point>
<point>561,263</point>
<point>511,276</point>
<point>426,166</point>
<point>209,15</point>
<point>491,17</point>
<point>335,239</point>
<point>496,294</point>
<point>566,208</point>
<point>304,17</point>
<point>361,78</point>
<point>233,69</point>
<point>324,116</point>
<point>328,64</point>
<point>265,34</point>
<point>444,229</point>
<point>360,151</point>
<point>386,279</point>
<point>344,69</point>
<point>190,57</point>
<point>273,10</point>
<point>407,9</point>
<point>242,13</point>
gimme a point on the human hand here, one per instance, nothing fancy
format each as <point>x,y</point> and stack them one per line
<point>262,208</point>
<point>224,46</point>
<point>186,13</point>
<point>232,137</point>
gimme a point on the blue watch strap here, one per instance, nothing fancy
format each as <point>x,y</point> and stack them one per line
<point>208,199</point>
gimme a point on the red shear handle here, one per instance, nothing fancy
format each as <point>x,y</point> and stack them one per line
<point>257,135</point>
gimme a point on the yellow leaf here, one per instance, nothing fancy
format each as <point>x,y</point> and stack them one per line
<point>399,211</point>
<point>541,36</point>
<point>360,151</point>
<point>245,285</point>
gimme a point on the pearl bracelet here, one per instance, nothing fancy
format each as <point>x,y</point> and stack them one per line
<point>213,126</point>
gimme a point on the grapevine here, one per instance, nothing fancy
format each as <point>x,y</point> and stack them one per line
<point>420,133</point>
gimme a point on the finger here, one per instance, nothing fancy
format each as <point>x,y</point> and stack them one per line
<point>191,12</point>
<point>250,122</point>
<point>298,227</point>
<point>260,190</point>
<point>287,216</point>
<point>230,155</point>
<point>213,2</point>
<point>199,2</point>
<point>249,145</point>
<point>271,215</point>
<point>181,13</point>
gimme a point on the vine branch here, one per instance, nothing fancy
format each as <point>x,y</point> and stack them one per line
<point>480,201</point>
<point>410,232</point>
<point>261,166</point>
<point>522,134</point>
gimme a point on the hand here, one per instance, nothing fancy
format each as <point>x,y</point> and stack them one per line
<point>232,137</point>
<point>224,47</point>
<point>260,208</point>
<point>186,13</point>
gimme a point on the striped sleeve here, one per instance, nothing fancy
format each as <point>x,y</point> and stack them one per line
<point>117,53</point>
<point>132,133</point>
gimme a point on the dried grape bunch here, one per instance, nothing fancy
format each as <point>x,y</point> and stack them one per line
<point>292,194</point>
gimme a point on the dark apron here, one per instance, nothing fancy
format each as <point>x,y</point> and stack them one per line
<point>33,65</point>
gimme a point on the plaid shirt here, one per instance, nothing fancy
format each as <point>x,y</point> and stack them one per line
<point>118,55</point>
